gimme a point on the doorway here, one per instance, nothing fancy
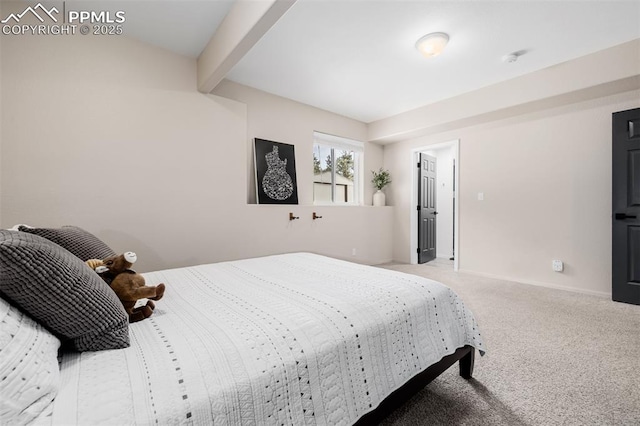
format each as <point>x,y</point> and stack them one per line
<point>446,190</point>
<point>427,208</point>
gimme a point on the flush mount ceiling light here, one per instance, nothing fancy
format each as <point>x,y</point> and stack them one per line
<point>432,44</point>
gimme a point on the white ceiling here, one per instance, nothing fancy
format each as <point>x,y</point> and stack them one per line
<point>182,26</point>
<point>357,58</point>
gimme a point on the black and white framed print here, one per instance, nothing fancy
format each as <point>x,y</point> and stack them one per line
<point>275,172</point>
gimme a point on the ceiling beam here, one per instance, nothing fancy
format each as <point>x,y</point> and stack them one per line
<point>241,29</point>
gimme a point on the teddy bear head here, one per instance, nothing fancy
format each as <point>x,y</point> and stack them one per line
<point>118,263</point>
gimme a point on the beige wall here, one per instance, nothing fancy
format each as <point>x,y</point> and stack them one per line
<point>283,120</point>
<point>342,228</point>
<point>111,134</point>
<point>546,179</point>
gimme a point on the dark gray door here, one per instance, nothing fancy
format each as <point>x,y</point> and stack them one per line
<point>626,206</point>
<point>426,208</point>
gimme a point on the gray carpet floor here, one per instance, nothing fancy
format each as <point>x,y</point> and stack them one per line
<point>554,358</point>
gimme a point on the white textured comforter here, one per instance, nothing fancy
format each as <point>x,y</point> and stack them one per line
<point>292,339</point>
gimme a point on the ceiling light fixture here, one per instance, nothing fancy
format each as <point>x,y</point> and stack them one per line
<point>432,44</point>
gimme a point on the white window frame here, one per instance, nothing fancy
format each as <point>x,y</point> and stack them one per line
<point>357,147</point>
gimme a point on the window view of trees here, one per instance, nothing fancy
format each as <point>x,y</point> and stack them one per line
<point>344,164</point>
<point>325,180</point>
<point>337,169</point>
<point>316,165</point>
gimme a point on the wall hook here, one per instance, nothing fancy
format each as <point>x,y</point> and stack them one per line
<point>315,216</point>
<point>292,217</point>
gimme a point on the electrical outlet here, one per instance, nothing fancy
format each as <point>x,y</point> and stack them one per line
<point>557,265</point>
<point>353,252</point>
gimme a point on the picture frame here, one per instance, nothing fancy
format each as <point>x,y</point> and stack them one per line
<point>275,167</point>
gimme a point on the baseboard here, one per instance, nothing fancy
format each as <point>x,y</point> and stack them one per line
<point>603,294</point>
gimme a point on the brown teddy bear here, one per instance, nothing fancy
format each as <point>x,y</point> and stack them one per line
<point>127,284</point>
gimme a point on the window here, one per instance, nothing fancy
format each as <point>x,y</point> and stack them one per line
<point>341,184</point>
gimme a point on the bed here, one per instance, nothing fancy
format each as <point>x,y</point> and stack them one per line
<point>291,339</point>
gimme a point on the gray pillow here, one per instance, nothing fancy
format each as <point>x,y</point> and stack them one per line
<point>62,293</point>
<point>81,243</point>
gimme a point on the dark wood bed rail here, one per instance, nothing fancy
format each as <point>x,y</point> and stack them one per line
<point>466,356</point>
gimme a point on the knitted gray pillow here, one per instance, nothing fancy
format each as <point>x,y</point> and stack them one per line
<point>81,243</point>
<point>62,293</point>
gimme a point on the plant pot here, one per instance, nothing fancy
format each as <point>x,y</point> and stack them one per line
<point>379,198</point>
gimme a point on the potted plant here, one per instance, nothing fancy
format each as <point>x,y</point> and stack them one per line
<point>380,179</point>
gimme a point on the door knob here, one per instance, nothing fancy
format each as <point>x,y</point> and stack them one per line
<point>623,216</point>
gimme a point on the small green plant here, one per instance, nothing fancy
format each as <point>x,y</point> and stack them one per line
<point>381,178</point>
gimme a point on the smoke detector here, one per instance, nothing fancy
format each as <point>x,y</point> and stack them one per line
<point>512,57</point>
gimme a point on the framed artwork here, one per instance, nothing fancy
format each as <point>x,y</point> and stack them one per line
<point>275,172</point>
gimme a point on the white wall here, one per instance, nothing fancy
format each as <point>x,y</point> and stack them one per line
<point>111,135</point>
<point>546,179</point>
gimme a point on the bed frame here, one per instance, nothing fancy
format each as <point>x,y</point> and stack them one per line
<point>466,356</point>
